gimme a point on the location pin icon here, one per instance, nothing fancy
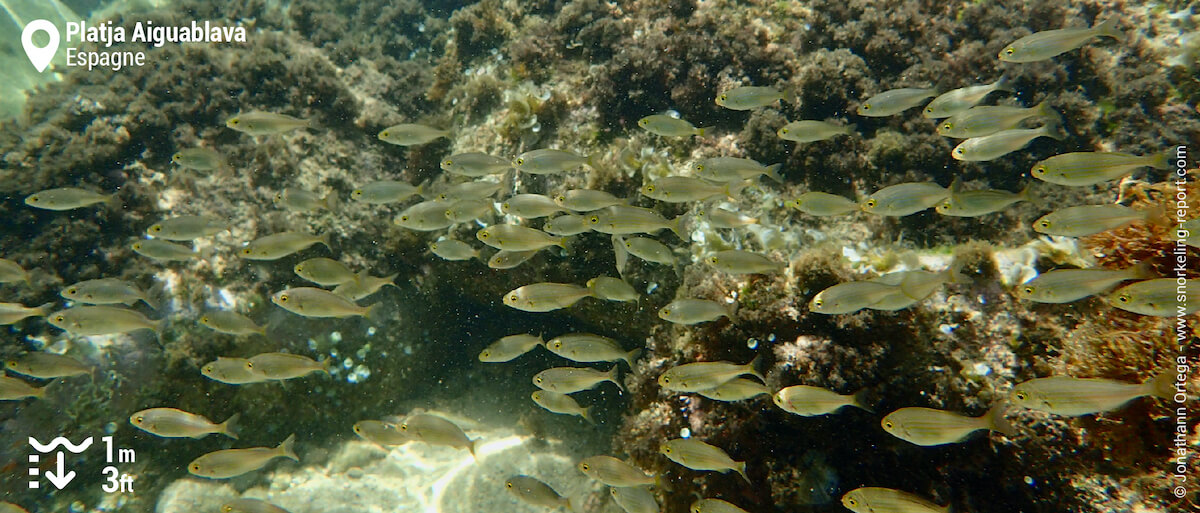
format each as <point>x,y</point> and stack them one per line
<point>40,57</point>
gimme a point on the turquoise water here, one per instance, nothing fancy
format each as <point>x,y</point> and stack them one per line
<point>240,148</point>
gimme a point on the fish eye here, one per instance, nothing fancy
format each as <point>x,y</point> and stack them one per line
<point>928,109</point>
<point>871,203</point>
<point>947,126</point>
<point>1039,171</point>
<point>447,162</point>
<point>520,162</point>
<point>485,354</point>
<point>227,509</point>
<point>34,199</point>
<point>404,218</point>
<point>139,419</point>
<point>644,122</point>
<point>246,251</point>
<point>560,198</point>
<point>699,167</point>
<point>484,234</point>
<point>888,424</point>
<point>234,121</point>
<point>866,106</point>
<point>508,485</point>
<point>1028,290</point>
<point>250,365</point>
<point>357,428</point>
<point>356,193</point>
<point>176,157</point>
<point>584,467</point>
<point>1044,224</point>
<point>383,133</point>
<point>504,207</point>
<point>723,97</point>
<point>666,379</point>
<point>72,291</point>
<point>649,188</point>
<point>12,363</point>
<point>818,303</point>
<point>283,297</point>
<point>204,319</point>
<point>279,197</point>
<point>156,228</point>
<point>59,318</point>
<point>851,502</point>
<point>1124,298</point>
<point>557,345</point>
<point>195,467</point>
<point>513,297</point>
<point>665,311</point>
<point>1010,51</point>
<point>666,450</point>
<point>958,151</point>
<point>713,259</point>
<point>1021,396</point>
<point>594,219</point>
<point>783,130</point>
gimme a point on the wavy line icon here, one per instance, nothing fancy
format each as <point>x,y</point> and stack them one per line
<point>60,441</point>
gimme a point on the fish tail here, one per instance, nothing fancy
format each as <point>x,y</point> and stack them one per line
<point>1108,28</point>
<point>287,448</point>
<point>620,255</point>
<point>1028,195</point>
<point>676,226</point>
<point>733,189</point>
<point>326,364</point>
<point>374,313</point>
<point>773,172</point>
<point>561,242</point>
<point>1045,111</point>
<point>324,240</point>
<point>330,201</point>
<point>1004,84</point>
<point>261,330</point>
<point>593,161</point>
<point>731,312</point>
<point>859,400</point>
<point>313,124</point>
<point>44,310</point>
<point>614,377</point>
<point>1160,160</point>
<point>752,368</point>
<point>997,422</point>
<point>741,470</point>
<point>391,280</point>
<point>1157,215</point>
<point>471,449</point>
<point>699,132</point>
<point>570,504</point>
<point>631,356</point>
<point>229,427</point>
<point>586,413</point>
<point>1141,271</point>
<point>1162,385</point>
<point>1054,129</point>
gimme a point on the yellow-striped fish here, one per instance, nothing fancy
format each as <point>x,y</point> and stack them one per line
<point>928,427</point>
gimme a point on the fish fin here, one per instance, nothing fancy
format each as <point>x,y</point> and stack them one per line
<point>313,124</point>
<point>1045,111</point>
<point>330,201</point>
<point>1142,271</point>
<point>731,312</point>
<point>374,313</point>
<point>229,427</point>
<point>1108,28</point>
<point>571,505</point>
<point>996,422</point>
<point>1160,161</point>
<point>562,242</point>
<point>662,484</point>
<point>699,132</point>
<point>859,400</point>
<point>752,368</point>
<point>615,377</point>
<point>733,189</point>
<point>586,413</point>
<point>741,470</point>
<point>593,160</point>
<point>1004,84</point>
<point>631,356</point>
<point>45,309</point>
<point>773,172</point>
<point>326,364</point>
<point>676,226</point>
<point>287,448</point>
<point>1027,194</point>
<point>620,254</point>
<point>324,239</point>
<point>471,449</point>
<point>1054,129</point>
<point>261,330</point>
<point>1161,385</point>
<point>955,186</point>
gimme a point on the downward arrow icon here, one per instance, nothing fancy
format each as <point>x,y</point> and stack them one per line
<point>62,477</point>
